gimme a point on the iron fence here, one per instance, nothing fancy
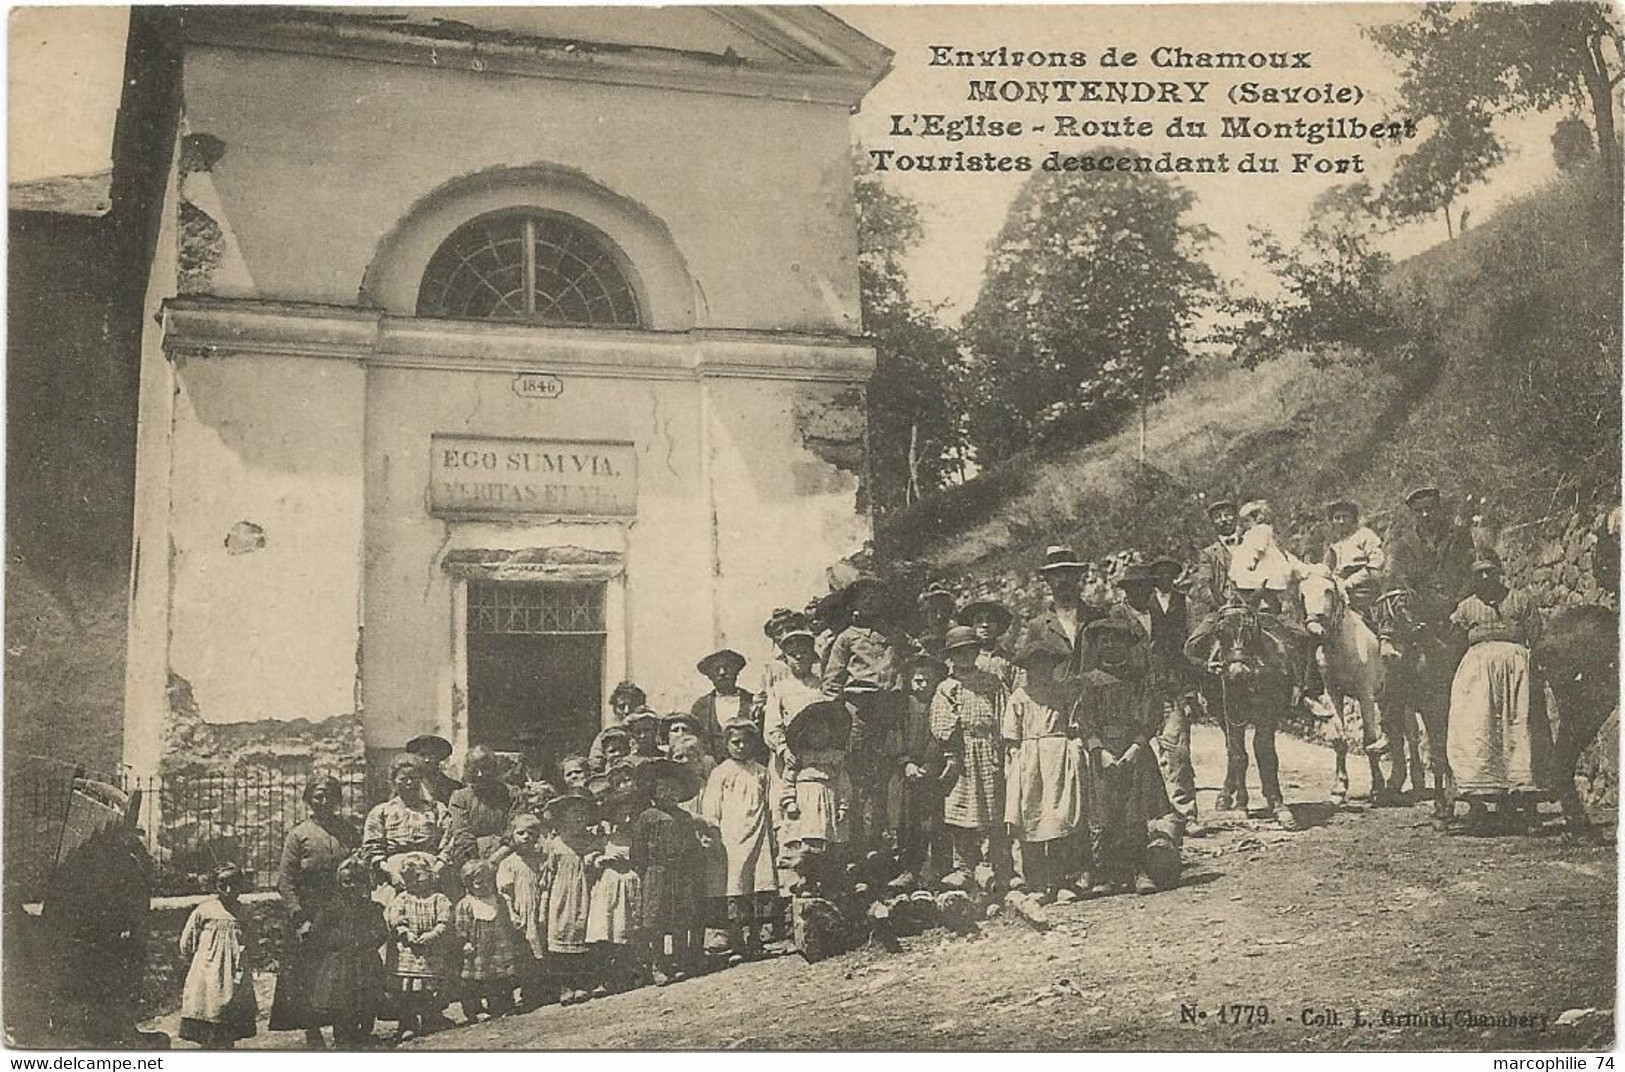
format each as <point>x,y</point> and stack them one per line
<point>191,823</point>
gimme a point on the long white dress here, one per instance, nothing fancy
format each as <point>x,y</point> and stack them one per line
<point>1044,779</point>
<point>735,802</point>
<point>219,988</point>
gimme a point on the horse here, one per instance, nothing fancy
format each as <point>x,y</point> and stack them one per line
<point>1351,666</point>
<point>1420,660</point>
<point>1249,668</point>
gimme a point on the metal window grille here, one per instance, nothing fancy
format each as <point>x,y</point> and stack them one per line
<point>535,608</point>
<point>530,266</point>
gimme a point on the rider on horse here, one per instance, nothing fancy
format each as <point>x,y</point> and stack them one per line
<point>1356,558</point>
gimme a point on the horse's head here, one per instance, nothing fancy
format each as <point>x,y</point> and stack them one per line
<point>1323,600</point>
<point>1396,617</point>
<point>1236,641</point>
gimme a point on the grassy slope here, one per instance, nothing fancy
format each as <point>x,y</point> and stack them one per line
<point>1529,287</point>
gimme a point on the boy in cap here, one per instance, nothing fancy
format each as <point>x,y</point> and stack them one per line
<point>990,620</point>
<point>915,796</point>
<point>1355,557</point>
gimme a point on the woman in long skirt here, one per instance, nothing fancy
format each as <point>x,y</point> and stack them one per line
<point>1497,741</point>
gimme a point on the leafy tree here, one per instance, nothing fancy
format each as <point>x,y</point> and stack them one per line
<point>1572,146</point>
<point>1088,304</point>
<point>1495,58</point>
<point>915,437</point>
<point>1429,179</point>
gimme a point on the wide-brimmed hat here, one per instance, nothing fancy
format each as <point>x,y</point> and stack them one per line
<point>683,775</point>
<point>1041,646</point>
<point>928,661</point>
<point>1060,557</point>
<point>936,592</point>
<point>725,657</point>
<point>1253,506</point>
<point>678,718</point>
<point>831,715</point>
<point>960,636</point>
<point>1485,558</point>
<point>1421,491</point>
<point>742,725</point>
<point>1001,614</point>
<point>1135,573</point>
<point>1220,504</point>
<point>639,718</point>
<point>785,623</point>
<point>574,800</point>
<point>1101,627</point>
<point>1166,562</point>
<point>430,747</point>
<point>614,732</point>
<point>1344,505</point>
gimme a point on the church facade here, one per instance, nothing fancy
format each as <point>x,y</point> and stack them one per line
<point>491,359</point>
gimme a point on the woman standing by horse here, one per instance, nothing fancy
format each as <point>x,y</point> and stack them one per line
<point>1498,741</point>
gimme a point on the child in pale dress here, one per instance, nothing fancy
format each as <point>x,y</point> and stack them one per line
<point>817,737</point>
<point>420,917</point>
<point>217,1004</point>
<point>736,805</point>
<point>564,878</point>
<point>519,883</point>
<point>615,907</point>
<point>490,944</point>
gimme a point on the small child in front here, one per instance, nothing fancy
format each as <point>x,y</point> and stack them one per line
<point>615,904</point>
<point>490,944</point>
<point>217,1002</point>
<point>567,889</point>
<point>519,884</point>
<point>666,840</point>
<point>347,981</point>
<point>420,916</point>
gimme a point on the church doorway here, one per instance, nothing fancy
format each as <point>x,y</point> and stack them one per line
<point>535,666</point>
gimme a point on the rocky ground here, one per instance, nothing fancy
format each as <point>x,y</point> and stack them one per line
<point>1274,941</point>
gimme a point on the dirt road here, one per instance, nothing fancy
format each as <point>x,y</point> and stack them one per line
<point>1304,938</point>
<point>1363,911</point>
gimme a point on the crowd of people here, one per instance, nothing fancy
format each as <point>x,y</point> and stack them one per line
<point>898,741</point>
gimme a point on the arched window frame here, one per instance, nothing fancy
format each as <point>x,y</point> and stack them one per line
<point>611,273</point>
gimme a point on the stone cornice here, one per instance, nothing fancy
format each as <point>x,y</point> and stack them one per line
<point>826,62</point>
<point>200,328</point>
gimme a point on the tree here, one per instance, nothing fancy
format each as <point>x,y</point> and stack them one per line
<point>1495,58</point>
<point>1572,146</point>
<point>1091,291</point>
<point>1429,179</point>
<point>915,437</point>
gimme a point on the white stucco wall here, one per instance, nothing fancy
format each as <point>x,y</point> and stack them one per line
<point>347,148</point>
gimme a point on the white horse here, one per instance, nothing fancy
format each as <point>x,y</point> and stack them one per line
<point>1351,666</point>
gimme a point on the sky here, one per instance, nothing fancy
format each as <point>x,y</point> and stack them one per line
<point>962,213</point>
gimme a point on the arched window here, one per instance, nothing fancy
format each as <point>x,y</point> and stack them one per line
<point>531,266</point>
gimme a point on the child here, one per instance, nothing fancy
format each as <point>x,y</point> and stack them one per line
<point>347,978</point>
<point>990,620</point>
<point>615,907</point>
<point>615,745</point>
<point>217,1003</point>
<point>684,745</point>
<point>1125,780</point>
<point>574,771</point>
<point>645,728</point>
<point>1044,803</point>
<point>490,944</point>
<point>519,883</point>
<point>817,737</point>
<point>965,716</point>
<point>736,803</point>
<point>420,917</point>
<point>563,877</point>
<point>665,839</point>
<point>1259,568</point>
<point>916,793</point>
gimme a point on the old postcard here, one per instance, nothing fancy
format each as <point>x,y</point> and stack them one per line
<point>790,528</point>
